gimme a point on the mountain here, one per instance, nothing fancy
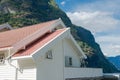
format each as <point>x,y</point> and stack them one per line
<point>19,13</point>
<point>115,61</point>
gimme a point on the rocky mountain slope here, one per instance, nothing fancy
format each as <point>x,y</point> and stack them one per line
<point>19,13</point>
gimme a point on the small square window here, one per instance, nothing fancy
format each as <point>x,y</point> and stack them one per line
<point>49,54</point>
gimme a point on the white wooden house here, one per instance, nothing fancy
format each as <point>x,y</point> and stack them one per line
<point>45,51</point>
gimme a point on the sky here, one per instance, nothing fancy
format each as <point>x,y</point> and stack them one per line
<point>101,17</point>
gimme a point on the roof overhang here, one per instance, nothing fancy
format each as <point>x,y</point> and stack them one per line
<point>21,57</point>
<point>6,48</point>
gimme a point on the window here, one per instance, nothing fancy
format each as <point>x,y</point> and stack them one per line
<point>2,58</point>
<point>68,61</point>
<point>49,54</point>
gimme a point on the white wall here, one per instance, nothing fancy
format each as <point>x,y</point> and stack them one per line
<point>51,69</point>
<point>27,74</point>
<point>7,72</point>
<point>27,63</point>
<point>82,72</point>
<point>70,51</point>
<point>28,69</point>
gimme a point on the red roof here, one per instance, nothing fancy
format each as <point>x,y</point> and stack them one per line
<point>9,38</point>
<point>39,43</point>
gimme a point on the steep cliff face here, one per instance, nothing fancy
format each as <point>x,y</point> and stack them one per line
<point>95,56</point>
<point>20,13</point>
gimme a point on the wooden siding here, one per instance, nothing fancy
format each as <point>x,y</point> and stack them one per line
<point>27,74</point>
<point>7,72</point>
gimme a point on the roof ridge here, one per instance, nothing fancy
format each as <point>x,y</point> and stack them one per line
<point>9,38</point>
<point>30,38</point>
<point>31,25</point>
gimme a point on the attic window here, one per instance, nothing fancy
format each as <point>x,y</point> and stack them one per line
<point>49,54</point>
<point>2,58</point>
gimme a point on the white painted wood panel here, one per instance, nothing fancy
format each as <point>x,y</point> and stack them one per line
<point>69,51</point>
<point>7,72</point>
<point>27,74</point>
<point>82,72</point>
<point>51,69</point>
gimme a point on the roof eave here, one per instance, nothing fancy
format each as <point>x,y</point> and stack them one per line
<point>21,57</point>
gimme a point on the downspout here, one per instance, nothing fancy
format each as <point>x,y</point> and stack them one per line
<point>16,68</point>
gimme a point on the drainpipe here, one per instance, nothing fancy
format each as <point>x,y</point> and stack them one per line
<point>16,69</point>
<point>16,74</point>
<point>9,62</point>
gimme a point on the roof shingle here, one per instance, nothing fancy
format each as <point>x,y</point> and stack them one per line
<point>9,38</point>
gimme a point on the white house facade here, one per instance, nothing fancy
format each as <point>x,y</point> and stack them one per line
<point>45,51</point>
